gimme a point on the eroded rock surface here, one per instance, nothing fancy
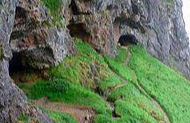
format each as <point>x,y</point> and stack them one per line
<point>157,24</point>
<point>40,43</point>
<point>13,101</point>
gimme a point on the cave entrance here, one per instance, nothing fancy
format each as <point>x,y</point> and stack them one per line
<point>127,39</point>
<point>17,70</point>
<point>15,64</point>
<point>21,73</point>
<point>79,30</point>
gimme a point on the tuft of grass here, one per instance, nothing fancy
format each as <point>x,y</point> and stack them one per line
<point>54,7</point>
<point>58,117</point>
<point>24,118</point>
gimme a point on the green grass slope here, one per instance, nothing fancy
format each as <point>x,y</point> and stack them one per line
<point>131,88</point>
<point>170,89</point>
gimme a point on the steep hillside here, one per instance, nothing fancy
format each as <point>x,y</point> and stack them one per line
<point>133,87</point>
<point>65,56</point>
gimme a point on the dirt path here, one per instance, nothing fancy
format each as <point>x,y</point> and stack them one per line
<point>128,58</point>
<point>155,101</point>
<point>81,114</point>
<point>141,89</point>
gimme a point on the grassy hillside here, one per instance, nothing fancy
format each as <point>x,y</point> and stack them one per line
<point>130,88</point>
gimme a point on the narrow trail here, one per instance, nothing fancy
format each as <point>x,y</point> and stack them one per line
<point>156,102</point>
<point>81,114</point>
<point>142,90</point>
<point>128,58</point>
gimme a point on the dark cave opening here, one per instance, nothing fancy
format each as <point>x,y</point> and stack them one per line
<point>127,39</point>
<point>15,64</point>
<point>20,13</point>
<point>78,30</point>
<point>21,73</point>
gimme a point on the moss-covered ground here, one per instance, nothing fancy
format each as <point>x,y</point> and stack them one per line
<point>142,90</point>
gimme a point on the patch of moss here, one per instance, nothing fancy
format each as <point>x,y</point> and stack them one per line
<point>54,7</point>
<point>58,117</point>
<point>23,118</point>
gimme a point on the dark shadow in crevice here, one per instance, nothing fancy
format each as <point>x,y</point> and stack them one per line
<point>22,73</point>
<point>15,64</point>
<point>21,12</point>
<point>74,8</point>
<point>78,30</point>
<point>127,39</point>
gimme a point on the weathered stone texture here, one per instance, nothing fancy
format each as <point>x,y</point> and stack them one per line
<point>13,101</point>
<point>157,24</point>
<point>39,42</point>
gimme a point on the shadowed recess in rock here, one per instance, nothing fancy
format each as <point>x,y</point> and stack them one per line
<point>74,8</point>
<point>21,13</point>
<point>15,64</point>
<point>79,30</point>
<point>127,39</point>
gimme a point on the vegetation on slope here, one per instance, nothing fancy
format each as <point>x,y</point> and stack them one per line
<point>56,117</point>
<point>170,89</point>
<point>55,7</point>
<point>141,90</point>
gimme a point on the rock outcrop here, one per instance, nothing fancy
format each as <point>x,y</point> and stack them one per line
<point>158,25</point>
<point>12,99</point>
<point>42,40</point>
<point>13,102</point>
<point>35,37</point>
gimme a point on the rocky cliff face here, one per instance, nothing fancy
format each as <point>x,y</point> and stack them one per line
<point>35,38</point>
<point>40,34</point>
<point>158,25</point>
<point>12,100</point>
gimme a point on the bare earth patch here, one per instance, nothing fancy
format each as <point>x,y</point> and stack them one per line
<point>81,114</point>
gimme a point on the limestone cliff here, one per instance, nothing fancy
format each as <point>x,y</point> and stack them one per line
<point>157,24</point>
<point>42,33</point>
<point>38,35</point>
